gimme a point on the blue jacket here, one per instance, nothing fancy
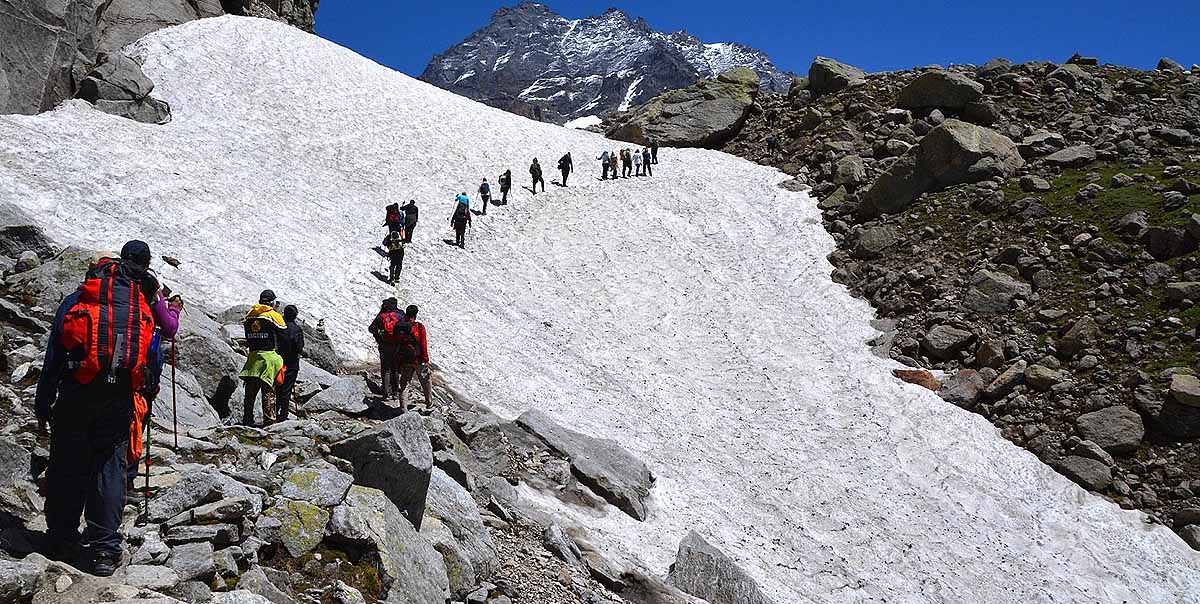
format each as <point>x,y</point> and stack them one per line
<point>463,199</point>
<point>54,365</point>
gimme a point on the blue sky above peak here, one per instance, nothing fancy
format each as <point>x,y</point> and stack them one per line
<point>875,34</point>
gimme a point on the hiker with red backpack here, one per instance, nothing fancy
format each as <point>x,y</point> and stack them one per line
<point>419,365</point>
<point>264,369</point>
<point>96,362</point>
<point>398,347</point>
<point>394,218</point>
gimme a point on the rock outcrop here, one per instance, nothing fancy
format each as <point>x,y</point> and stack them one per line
<point>706,114</point>
<point>50,47</point>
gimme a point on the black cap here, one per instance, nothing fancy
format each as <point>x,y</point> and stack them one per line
<point>137,254</point>
<point>266,297</point>
<point>411,311</point>
<point>290,312</point>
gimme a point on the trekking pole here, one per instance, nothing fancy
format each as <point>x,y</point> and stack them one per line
<point>174,407</point>
<point>146,488</point>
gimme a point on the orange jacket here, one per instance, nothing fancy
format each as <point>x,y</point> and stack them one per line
<point>418,331</point>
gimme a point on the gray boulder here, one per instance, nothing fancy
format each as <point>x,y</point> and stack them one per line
<point>186,397</point>
<point>1166,242</point>
<point>20,233</point>
<point>703,571</point>
<point>1041,143</point>
<point>1166,415</point>
<point>48,46</point>
<point>196,488</point>
<point>1077,156</point>
<point>562,545</point>
<point>1185,389</point>
<point>301,525</point>
<point>414,572</point>
<point>255,581</point>
<point>1072,75</point>
<point>995,68</point>
<point>396,458</point>
<point>192,561</point>
<point>158,578</point>
<point>1183,290</point>
<point>18,580</point>
<point>1088,473</point>
<point>1042,378</point>
<point>53,280</point>
<point>848,170</point>
<point>600,464</point>
<point>963,388</point>
<point>319,483</point>
<point>871,242</point>
<point>318,347</point>
<point>945,342</point>
<point>15,461</point>
<point>991,292</point>
<point>953,153</point>
<point>453,525</point>
<point>1169,64</point>
<point>939,89</point>
<point>347,395</point>
<point>826,76</point>
<point>1084,333</point>
<point>1116,429</point>
<point>124,21</point>
<point>706,114</point>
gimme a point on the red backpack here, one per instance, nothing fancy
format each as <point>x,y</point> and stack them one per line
<point>397,329</point>
<point>110,329</point>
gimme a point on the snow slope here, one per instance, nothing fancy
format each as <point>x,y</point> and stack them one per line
<point>689,316</point>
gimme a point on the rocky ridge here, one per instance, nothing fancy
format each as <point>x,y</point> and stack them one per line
<point>1028,235</point>
<point>569,69</point>
<point>351,501</point>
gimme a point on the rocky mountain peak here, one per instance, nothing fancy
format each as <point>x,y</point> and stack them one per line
<point>532,61</point>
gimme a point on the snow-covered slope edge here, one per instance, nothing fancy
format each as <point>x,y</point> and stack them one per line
<point>689,316</point>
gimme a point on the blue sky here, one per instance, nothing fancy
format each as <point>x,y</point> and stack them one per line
<point>874,34</point>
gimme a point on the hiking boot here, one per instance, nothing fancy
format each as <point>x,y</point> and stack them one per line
<point>67,553</point>
<point>106,565</point>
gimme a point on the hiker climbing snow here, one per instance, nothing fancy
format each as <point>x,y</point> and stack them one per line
<point>565,166</point>
<point>535,173</point>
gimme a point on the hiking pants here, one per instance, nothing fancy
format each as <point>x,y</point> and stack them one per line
<point>407,372</point>
<point>625,168</point>
<point>487,200</point>
<point>283,392</point>
<point>460,235</point>
<point>89,448</point>
<point>604,173</point>
<point>389,370</point>
<point>408,232</point>
<point>654,156</point>
<point>503,197</point>
<point>565,174</point>
<point>536,180</point>
<point>646,166</point>
<point>254,386</point>
<point>395,264</point>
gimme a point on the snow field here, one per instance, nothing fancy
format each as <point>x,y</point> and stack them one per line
<point>689,315</point>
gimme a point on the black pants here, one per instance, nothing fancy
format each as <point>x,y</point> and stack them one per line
<point>283,392</point>
<point>89,442</point>
<point>654,156</point>
<point>565,174</point>
<point>389,370</point>
<point>460,235</point>
<point>646,167</point>
<point>503,197</point>
<point>487,199</point>
<point>536,180</point>
<point>395,264</point>
<point>626,167</point>
<point>604,171</point>
<point>255,387</point>
<point>408,232</point>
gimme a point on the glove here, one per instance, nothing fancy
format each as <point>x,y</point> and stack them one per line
<point>150,288</point>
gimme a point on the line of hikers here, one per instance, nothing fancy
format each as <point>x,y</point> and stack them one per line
<point>102,373</point>
<point>631,161</point>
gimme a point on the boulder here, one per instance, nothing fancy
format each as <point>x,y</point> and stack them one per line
<point>206,354</point>
<point>117,86</point>
<point>192,561</point>
<point>703,571</point>
<point>1132,226</point>
<point>414,572</point>
<point>55,279</point>
<point>48,46</point>
<point>1174,136</point>
<point>919,377</point>
<point>20,233</point>
<point>869,243</point>
<point>995,68</point>
<point>1034,184</point>
<point>1117,429</point>
<point>454,527</point>
<point>1191,532</point>
<point>18,580</point>
<point>302,525</point>
<point>559,543</point>
<point>186,398</point>
<point>1088,473</point>
<point>1166,415</point>
<point>238,596</point>
<point>945,342</point>
<point>1008,379</point>
<point>396,458</point>
<point>848,170</point>
<point>991,292</point>
<point>1077,156</point>
<point>158,578</point>
<point>15,461</point>
<point>1183,290</point>
<point>1084,333</point>
<point>1042,378</point>
<point>706,114</point>
<point>1072,75</point>
<point>1167,242</point>
<point>1185,390</point>
<point>600,464</point>
<point>347,395</point>
<point>1041,143</point>
<point>826,76</point>
<point>318,347</point>
<point>319,483</point>
<point>255,581</point>
<point>953,153</point>
<point>963,389</point>
<point>939,89</point>
<point>1169,64</point>
<point>196,488</point>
